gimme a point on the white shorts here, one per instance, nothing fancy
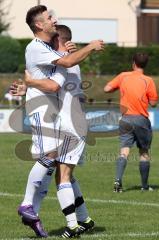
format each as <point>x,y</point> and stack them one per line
<point>48,136</point>
<point>70,150</point>
<point>70,144</point>
<point>44,139</point>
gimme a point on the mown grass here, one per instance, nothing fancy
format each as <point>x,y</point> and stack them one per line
<point>130,215</point>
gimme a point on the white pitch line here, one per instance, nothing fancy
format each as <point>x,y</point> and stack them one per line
<point>131,234</point>
<point>12,195</point>
<point>102,235</point>
<point>142,235</point>
<point>123,202</point>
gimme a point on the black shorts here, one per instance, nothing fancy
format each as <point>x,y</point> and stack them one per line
<point>134,128</point>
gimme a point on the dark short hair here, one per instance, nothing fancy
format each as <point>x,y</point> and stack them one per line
<point>32,14</point>
<point>64,33</point>
<point>140,59</point>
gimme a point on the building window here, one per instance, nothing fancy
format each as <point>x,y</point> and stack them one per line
<point>148,29</point>
<point>149,4</point>
<point>84,30</point>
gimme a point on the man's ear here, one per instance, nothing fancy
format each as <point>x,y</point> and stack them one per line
<point>39,25</point>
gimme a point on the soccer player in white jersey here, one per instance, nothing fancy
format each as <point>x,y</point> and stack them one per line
<point>40,62</point>
<point>72,134</point>
<point>69,96</point>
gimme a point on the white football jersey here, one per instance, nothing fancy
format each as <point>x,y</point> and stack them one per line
<point>72,117</point>
<point>39,57</point>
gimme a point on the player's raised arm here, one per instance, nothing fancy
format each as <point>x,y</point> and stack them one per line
<point>113,85</point>
<point>108,88</point>
<point>78,56</point>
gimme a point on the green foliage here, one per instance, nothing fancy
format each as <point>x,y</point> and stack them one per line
<point>23,43</point>
<point>153,65</point>
<point>21,68</point>
<point>9,54</point>
<point>12,54</point>
<point>91,65</point>
<point>114,60</point>
<point>111,61</point>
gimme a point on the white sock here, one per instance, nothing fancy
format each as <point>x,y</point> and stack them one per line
<point>35,178</point>
<point>66,199</point>
<point>41,193</point>
<point>81,211</point>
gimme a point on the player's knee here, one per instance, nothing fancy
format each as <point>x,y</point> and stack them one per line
<point>48,160</point>
<point>124,152</point>
<point>123,155</point>
<point>144,155</point>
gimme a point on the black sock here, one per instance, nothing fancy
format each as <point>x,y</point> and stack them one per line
<point>144,167</point>
<point>120,167</point>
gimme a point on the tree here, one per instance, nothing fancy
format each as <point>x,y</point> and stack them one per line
<point>9,54</point>
<point>4,10</point>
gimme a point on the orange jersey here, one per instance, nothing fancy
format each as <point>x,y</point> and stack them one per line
<point>136,90</point>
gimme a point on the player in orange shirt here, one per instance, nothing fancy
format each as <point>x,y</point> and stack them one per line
<point>137,91</point>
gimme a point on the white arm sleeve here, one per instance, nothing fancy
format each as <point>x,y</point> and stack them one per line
<point>46,57</point>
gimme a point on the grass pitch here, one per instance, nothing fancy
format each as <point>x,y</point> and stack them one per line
<point>129,215</point>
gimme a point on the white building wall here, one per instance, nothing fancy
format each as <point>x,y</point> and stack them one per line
<point>119,10</point>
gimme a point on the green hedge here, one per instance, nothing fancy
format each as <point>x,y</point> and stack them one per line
<point>23,42</point>
<point>9,54</point>
<point>117,59</point>
<point>112,60</point>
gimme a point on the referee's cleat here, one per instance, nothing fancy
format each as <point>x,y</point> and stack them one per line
<point>148,188</point>
<point>27,212</point>
<point>71,232</point>
<point>37,227</point>
<point>86,226</point>
<point>118,187</point>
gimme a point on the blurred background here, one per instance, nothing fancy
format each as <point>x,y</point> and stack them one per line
<point>126,26</point>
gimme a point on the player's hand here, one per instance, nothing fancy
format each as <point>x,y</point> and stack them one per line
<point>71,47</point>
<point>18,88</point>
<point>97,45</point>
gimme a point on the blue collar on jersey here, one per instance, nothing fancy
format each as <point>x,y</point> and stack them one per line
<point>47,45</point>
